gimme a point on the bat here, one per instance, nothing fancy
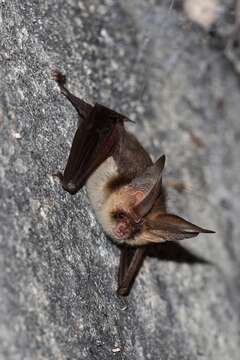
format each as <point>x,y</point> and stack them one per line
<point>123,183</point>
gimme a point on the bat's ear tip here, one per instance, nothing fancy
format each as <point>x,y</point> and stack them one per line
<point>163,158</point>
<point>206,231</point>
<point>129,120</point>
<point>161,162</point>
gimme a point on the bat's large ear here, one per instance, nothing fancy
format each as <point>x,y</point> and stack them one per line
<point>149,185</point>
<point>168,227</point>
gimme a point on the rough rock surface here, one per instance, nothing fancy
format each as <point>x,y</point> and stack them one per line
<point>57,269</point>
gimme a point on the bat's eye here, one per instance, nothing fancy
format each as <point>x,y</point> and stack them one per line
<point>118,215</point>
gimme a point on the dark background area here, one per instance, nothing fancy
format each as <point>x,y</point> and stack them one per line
<point>177,75</point>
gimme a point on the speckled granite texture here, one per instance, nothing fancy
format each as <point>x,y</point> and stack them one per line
<point>57,269</point>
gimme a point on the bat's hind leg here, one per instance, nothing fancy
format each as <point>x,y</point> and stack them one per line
<point>130,263</point>
<point>81,106</point>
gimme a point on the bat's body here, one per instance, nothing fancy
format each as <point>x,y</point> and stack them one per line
<point>97,185</point>
<point>114,173</point>
<point>123,184</point>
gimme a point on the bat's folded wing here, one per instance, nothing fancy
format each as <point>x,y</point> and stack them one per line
<point>93,143</point>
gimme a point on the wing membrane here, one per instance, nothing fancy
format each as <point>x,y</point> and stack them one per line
<point>92,144</point>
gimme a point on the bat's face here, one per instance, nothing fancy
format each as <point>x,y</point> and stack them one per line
<point>118,218</point>
<point>123,215</point>
<point>120,221</point>
<point>123,224</point>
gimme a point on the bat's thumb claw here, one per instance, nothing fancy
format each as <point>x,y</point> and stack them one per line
<point>59,175</point>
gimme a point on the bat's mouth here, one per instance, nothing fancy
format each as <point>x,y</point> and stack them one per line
<point>122,229</point>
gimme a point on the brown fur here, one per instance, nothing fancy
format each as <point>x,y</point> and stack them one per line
<point>131,158</point>
<point>116,182</point>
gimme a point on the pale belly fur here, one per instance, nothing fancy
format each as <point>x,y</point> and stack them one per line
<point>96,185</point>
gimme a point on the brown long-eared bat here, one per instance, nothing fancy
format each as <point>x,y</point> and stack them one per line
<point>123,183</point>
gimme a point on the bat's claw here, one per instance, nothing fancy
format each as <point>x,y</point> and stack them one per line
<point>59,77</point>
<point>59,175</point>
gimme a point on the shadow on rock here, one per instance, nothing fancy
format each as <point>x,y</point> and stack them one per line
<point>172,251</point>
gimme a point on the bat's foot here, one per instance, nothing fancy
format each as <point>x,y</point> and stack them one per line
<point>61,80</point>
<point>122,291</point>
<point>59,77</point>
<point>124,288</point>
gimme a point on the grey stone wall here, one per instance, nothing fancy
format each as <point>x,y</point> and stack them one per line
<point>57,269</point>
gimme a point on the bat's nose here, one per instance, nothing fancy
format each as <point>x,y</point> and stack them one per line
<point>123,229</point>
